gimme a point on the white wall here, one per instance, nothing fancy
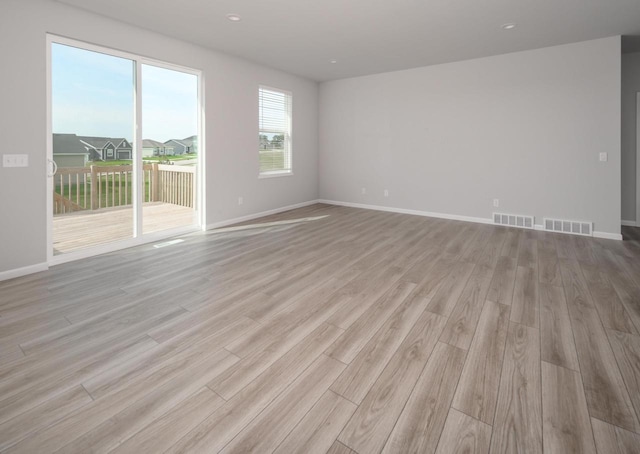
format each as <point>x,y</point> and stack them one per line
<point>525,128</point>
<point>231,87</point>
<point>630,86</point>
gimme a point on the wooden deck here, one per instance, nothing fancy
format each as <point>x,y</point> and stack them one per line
<point>83,229</point>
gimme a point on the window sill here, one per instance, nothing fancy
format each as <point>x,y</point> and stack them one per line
<point>275,175</point>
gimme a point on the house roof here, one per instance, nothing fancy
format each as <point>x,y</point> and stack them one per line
<point>68,144</point>
<point>178,141</point>
<point>186,142</point>
<point>100,142</point>
<point>149,143</point>
<point>190,141</point>
<point>95,142</point>
<point>122,143</point>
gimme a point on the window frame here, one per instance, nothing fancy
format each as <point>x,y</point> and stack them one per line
<point>288,134</point>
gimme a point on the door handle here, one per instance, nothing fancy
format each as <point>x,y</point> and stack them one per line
<point>53,168</point>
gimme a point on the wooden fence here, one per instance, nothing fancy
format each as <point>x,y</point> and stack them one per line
<point>96,187</point>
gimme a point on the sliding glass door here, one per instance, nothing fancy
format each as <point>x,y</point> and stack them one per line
<point>113,184</point>
<point>169,148</point>
<point>92,117</point>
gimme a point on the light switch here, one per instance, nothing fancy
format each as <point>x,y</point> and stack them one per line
<point>604,156</point>
<point>15,160</point>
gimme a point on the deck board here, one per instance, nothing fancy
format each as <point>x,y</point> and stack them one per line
<point>82,229</point>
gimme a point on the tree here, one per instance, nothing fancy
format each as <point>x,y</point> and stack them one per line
<point>277,141</point>
<point>264,141</point>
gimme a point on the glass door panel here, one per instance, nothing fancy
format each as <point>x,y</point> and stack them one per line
<point>169,148</point>
<point>92,118</point>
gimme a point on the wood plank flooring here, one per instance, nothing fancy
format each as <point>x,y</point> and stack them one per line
<point>329,330</point>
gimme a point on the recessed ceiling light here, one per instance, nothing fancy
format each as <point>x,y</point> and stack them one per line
<point>509,26</point>
<point>333,62</point>
<point>234,17</point>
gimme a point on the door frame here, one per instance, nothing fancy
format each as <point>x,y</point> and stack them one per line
<point>138,237</point>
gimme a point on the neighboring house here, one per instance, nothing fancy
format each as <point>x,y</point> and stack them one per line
<point>192,143</point>
<point>155,148</point>
<point>107,148</point>
<point>68,151</point>
<point>177,146</point>
<point>183,146</point>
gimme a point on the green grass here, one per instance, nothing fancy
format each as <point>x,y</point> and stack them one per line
<point>122,162</point>
<point>122,194</point>
<point>76,193</point>
<point>128,162</point>
<point>183,157</point>
<point>271,160</point>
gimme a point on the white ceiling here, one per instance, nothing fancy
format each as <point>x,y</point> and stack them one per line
<point>373,36</point>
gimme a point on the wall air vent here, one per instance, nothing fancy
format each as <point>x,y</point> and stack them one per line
<point>572,227</point>
<point>513,220</point>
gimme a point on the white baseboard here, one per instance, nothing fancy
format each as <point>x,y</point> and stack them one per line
<point>249,217</point>
<point>629,223</point>
<point>455,217</point>
<point>607,235</point>
<point>18,272</point>
<point>429,214</point>
<point>10,274</point>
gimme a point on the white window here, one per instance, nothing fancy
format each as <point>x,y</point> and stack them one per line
<point>275,108</point>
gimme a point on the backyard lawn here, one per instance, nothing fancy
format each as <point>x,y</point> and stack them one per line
<point>110,196</point>
<point>271,160</point>
<point>128,162</point>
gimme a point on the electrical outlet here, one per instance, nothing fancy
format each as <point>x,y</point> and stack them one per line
<point>496,203</point>
<point>386,193</point>
<point>363,191</point>
<point>240,200</point>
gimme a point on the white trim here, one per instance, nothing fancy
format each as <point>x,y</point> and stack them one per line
<point>607,235</point>
<point>48,187</point>
<point>201,180</point>
<point>250,217</point>
<point>18,272</point>
<point>455,217</point>
<point>151,238</point>
<point>429,214</point>
<point>137,184</point>
<point>629,223</point>
<point>288,134</point>
<point>86,45</point>
<point>274,175</point>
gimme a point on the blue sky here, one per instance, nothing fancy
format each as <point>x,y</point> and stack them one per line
<point>92,95</point>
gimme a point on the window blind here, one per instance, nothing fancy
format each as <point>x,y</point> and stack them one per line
<point>274,131</point>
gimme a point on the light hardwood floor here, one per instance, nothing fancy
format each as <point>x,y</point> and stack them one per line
<point>346,331</point>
